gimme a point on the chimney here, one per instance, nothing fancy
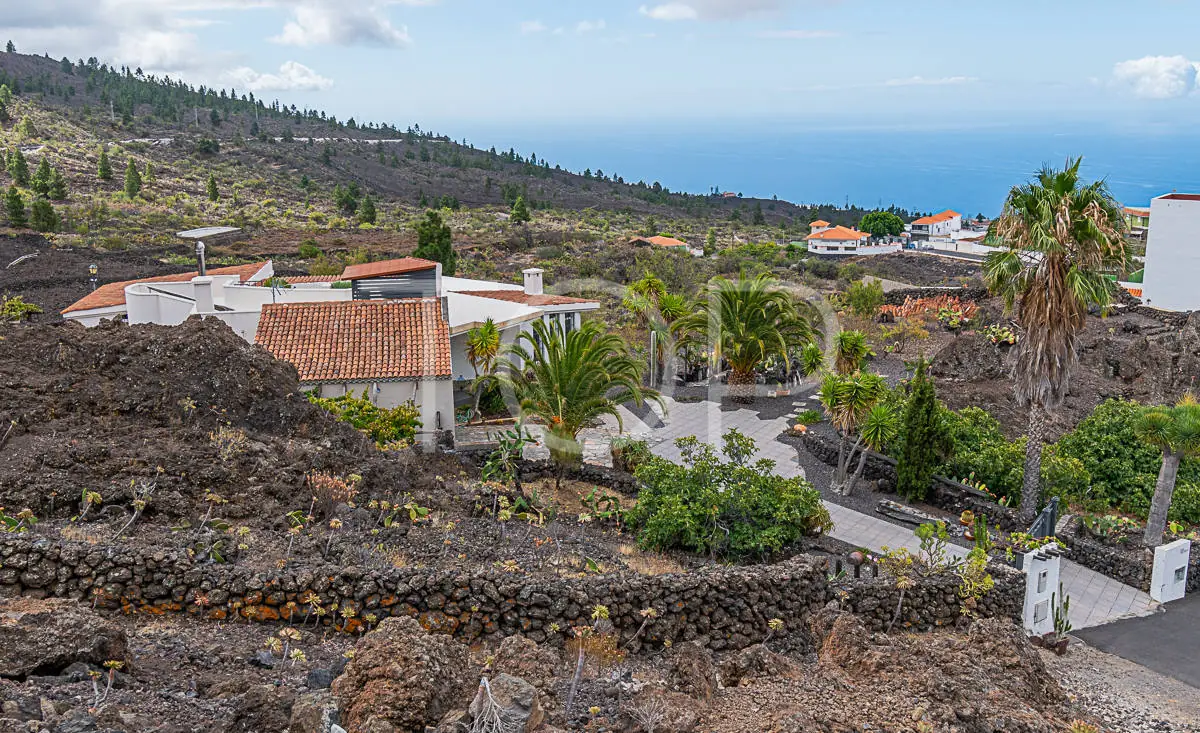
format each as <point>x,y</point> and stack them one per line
<point>533,280</point>
<point>200,259</point>
<point>202,292</point>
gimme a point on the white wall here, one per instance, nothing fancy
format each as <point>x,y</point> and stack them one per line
<point>246,297</point>
<point>431,396</point>
<point>1173,254</point>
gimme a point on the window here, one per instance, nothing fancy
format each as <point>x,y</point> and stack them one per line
<point>1042,581</point>
<point>568,322</point>
<point>1041,612</point>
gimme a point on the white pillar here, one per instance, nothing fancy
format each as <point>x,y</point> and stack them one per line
<point>1041,569</point>
<point>202,292</point>
<point>1168,581</point>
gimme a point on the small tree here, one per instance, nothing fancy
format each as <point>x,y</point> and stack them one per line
<point>854,403</point>
<point>42,216</point>
<point>1176,432</point>
<point>758,219</point>
<point>922,438</point>
<point>435,242</point>
<point>215,118</point>
<point>133,180</point>
<point>882,224</point>
<point>520,212</point>
<point>710,242</point>
<point>11,48</point>
<point>211,188</point>
<point>58,186</point>
<point>483,347</point>
<point>366,211</point>
<point>18,168</point>
<point>864,298</point>
<point>104,167</point>
<point>40,183</point>
<point>14,205</point>
<point>5,101</point>
<point>850,351</point>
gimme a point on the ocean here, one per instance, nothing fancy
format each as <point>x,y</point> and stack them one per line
<point>969,170</point>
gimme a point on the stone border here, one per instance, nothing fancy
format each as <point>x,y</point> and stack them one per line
<point>1133,565</point>
<point>727,608</point>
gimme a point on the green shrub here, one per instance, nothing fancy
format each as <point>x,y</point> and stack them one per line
<point>978,449</point>
<point>864,298</point>
<point>810,417</point>
<point>386,427</point>
<point>309,250</point>
<point>1185,503</point>
<point>629,453</point>
<point>727,508</point>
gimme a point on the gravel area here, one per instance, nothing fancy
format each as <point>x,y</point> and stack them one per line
<point>1126,697</point>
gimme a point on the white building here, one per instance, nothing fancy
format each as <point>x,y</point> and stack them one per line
<point>838,240</point>
<point>1173,253</point>
<point>322,315</point>
<point>941,225</point>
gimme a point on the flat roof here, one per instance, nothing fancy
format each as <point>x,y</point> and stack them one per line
<point>1181,197</point>
<point>203,232</point>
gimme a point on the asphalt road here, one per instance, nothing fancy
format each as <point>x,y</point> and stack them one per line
<point>1167,642</point>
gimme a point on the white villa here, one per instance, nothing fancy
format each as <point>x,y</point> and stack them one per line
<point>839,240</point>
<point>397,328</point>
<point>938,226</point>
<point>1172,254</point>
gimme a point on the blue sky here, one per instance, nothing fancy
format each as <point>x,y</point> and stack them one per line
<point>459,64</point>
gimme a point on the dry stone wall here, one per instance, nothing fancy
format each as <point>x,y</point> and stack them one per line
<point>726,608</point>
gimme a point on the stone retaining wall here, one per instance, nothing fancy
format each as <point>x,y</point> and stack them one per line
<point>1132,565</point>
<point>727,607</point>
<point>896,297</point>
<point>952,496</point>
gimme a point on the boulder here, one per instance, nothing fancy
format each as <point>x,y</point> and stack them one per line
<point>513,701</point>
<point>314,712</point>
<point>692,670</point>
<point>402,679</point>
<point>44,637</point>
<point>539,665</point>
<point>752,663</point>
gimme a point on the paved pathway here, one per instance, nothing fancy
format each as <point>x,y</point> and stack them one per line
<point>1095,599</point>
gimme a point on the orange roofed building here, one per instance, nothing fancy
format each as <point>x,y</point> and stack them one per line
<point>836,240</point>
<point>941,225</point>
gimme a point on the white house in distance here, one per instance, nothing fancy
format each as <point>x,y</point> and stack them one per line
<point>324,316</point>
<point>938,226</point>
<point>839,240</point>
<point>819,226</point>
<point>1173,253</point>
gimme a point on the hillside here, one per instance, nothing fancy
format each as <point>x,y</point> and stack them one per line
<point>277,167</point>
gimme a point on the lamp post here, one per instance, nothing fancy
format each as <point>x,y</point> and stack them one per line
<point>92,270</point>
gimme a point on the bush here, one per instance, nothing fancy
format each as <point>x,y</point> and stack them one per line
<point>1185,503</point>
<point>864,298</point>
<point>629,453</point>
<point>810,417</point>
<point>309,250</point>
<point>386,427</point>
<point>724,508</point>
<point>979,450</point>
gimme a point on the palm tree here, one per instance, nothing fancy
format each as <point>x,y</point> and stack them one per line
<point>656,309</point>
<point>854,403</point>
<point>744,322</point>
<point>483,347</point>
<point>1176,432</point>
<point>567,380</point>
<point>1059,237</point>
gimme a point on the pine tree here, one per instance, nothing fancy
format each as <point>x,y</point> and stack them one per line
<point>41,178</point>
<point>58,186</point>
<point>133,180</point>
<point>710,242</point>
<point>5,101</point>
<point>11,48</point>
<point>148,176</point>
<point>759,219</point>
<point>435,242</point>
<point>366,211</point>
<point>215,118</point>
<point>923,438</point>
<point>42,216</point>
<point>104,168</point>
<point>18,168</point>
<point>520,212</point>
<point>211,189</point>
<point>15,207</point>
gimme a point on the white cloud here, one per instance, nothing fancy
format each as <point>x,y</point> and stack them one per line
<point>533,26</point>
<point>292,77</point>
<point>799,35</point>
<point>590,26</point>
<point>1159,77</point>
<point>323,24</point>
<point>710,9</point>
<point>920,81</point>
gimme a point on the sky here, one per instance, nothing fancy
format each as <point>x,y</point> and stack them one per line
<point>460,64</point>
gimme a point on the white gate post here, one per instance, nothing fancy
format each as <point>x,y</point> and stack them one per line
<point>1168,582</point>
<point>1041,568</point>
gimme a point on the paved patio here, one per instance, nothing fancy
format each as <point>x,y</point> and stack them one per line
<point>1095,599</point>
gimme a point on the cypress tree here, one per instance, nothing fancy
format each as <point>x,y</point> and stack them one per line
<point>104,168</point>
<point>133,180</point>
<point>18,168</point>
<point>923,438</point>
<point>42,216</point>
<point>211,188</point>
<point>435,242</point>
<point>520,212</point>
<point>15,207</point>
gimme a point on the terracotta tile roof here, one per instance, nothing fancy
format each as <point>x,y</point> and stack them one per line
<point>819,223</point>
<point>113,294</point>
<point>937,218</point>
<point>519,296</point>
<point>839,234</point>
<point>386,267</point>
<point>358,340</point>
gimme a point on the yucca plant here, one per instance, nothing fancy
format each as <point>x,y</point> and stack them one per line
<point>483,348</point>
<point>1176,432</point>
<point>1059,236</point>
<point>856,407</point>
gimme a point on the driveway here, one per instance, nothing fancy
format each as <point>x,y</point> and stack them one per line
<point>1167,642</point>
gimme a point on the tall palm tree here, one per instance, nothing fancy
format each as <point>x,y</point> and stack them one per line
<point>1059,236</point>
<point>744,322</point>
<point>1176,432</point>
<point>567,380</point>
<point>483,347</point>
